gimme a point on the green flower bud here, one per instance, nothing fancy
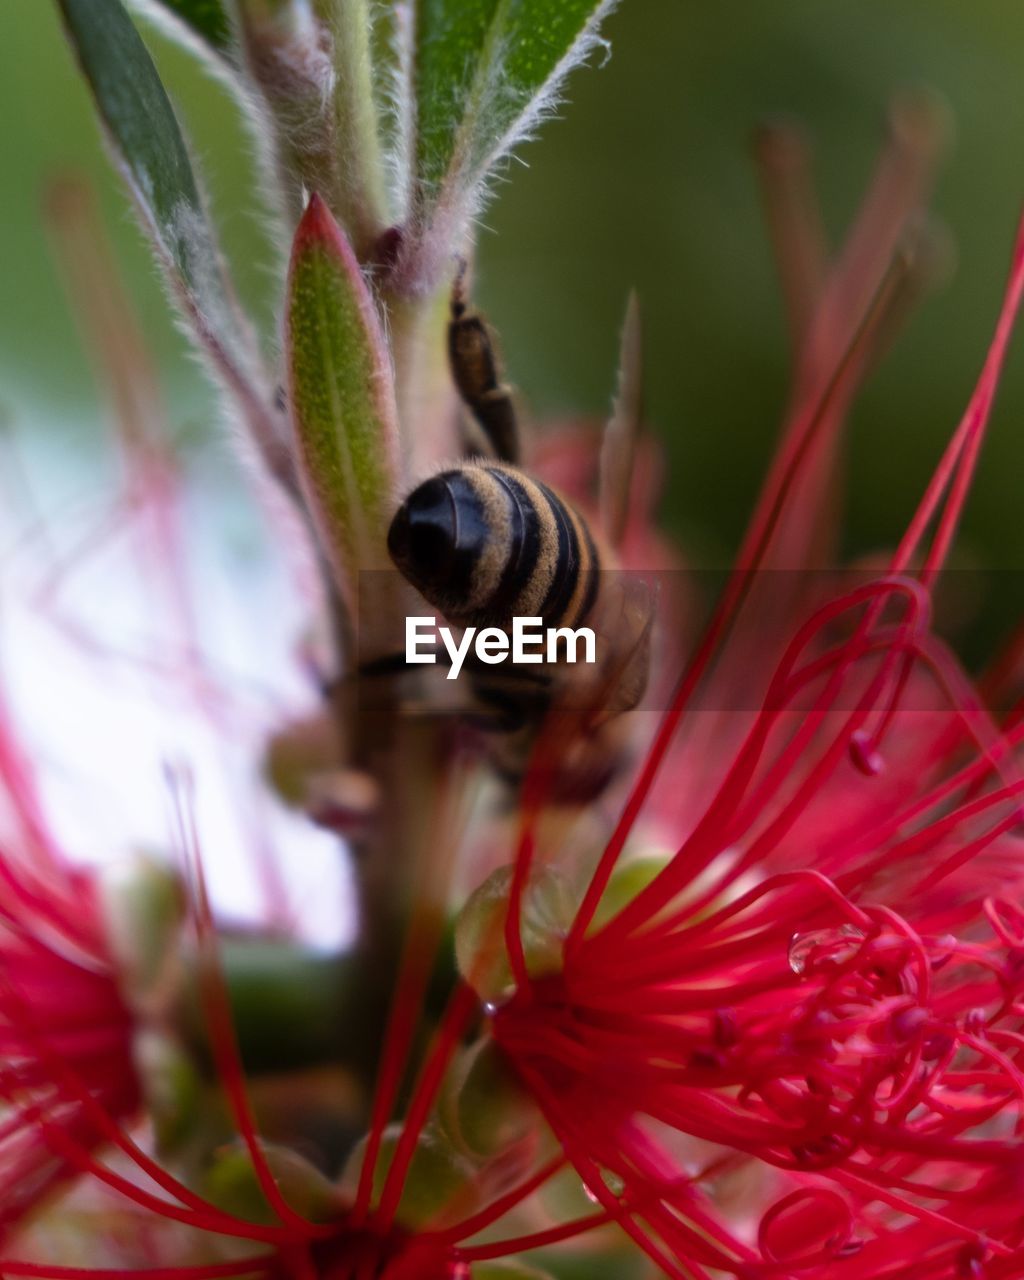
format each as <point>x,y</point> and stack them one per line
<point>298,753</point>
<point>630,877</point>
<point>492,1110</point>
<point>144,907</point>
<point>438,1172</point>
<point>231,1184</point>
<point>171,1086</point>
<point>547,912</point>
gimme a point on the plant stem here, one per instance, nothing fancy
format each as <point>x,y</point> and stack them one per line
<point>427,402</point>
<point>359,199</point>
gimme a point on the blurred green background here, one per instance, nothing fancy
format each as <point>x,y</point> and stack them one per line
<point>645,181</point>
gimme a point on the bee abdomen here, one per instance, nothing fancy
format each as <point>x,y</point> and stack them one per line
<point>485,543</point>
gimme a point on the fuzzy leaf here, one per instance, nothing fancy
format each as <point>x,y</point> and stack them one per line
<point>342,397</point>
<point>485,70</point>
<point>148,143</point>
<point>142,126</point>
<point>207,19</point>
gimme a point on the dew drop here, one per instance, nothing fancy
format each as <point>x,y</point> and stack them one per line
<point>800,947</point>
<point>495,1001</point>
<point>823,948</point>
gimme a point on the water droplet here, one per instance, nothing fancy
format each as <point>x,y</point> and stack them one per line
<point>494,1001</point>
<point>823,948</point>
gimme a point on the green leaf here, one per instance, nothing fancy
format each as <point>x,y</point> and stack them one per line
<point>207,19</point>
<point>485,70</point>
<point>342,398</point>
<point>145,134</point>
<point>147,141</point>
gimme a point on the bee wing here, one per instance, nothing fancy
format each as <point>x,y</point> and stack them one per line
<point>625,623</point>
<point>622,434</point>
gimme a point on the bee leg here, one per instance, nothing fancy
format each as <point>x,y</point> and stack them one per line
<point>476,372</point>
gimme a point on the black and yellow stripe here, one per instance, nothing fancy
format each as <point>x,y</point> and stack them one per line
<point>484,543</point>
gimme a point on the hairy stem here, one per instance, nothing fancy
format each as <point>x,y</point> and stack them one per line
<point>359,198</point>
<point>427,403</point>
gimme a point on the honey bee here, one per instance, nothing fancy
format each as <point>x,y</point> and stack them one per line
<point>485,542</point>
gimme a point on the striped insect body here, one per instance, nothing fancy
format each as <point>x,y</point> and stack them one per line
<point>486,544</point>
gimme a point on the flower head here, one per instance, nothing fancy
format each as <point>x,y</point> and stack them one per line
<point>411,1205</point>
<point>822,985</point>
<point>60,1003</point>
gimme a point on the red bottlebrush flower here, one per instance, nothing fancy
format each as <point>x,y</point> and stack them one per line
<point>363,1226</point>
<point>60,1004</point>
<point>360,1233</point>
<point>823,985</point>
